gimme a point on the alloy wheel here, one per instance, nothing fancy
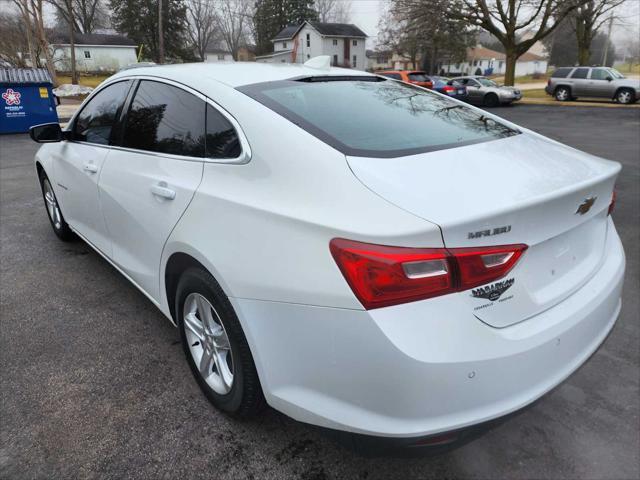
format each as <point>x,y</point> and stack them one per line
<point>208,343</point>
<point>624,96</point>
<point>562,94</point>
<point>52,205</point>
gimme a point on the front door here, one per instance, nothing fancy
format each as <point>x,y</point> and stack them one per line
<point>148,182</point>
<point>598,85</point>
<point>79,162</point>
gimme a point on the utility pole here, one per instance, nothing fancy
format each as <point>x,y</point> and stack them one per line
<point>160,34</point>
<point>606,44</point>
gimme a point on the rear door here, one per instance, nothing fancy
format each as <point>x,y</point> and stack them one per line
<point>79,163</point>
<point>150,178</point>
<point>579,82</point>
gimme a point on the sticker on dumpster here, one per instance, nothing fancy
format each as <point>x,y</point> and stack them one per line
<point>11,97</point>
<point>44,93</point>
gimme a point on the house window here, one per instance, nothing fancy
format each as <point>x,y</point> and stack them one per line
<point>221,56</point>
<point>475,62</point>
<point>284,44</point>
<point>500,63</point>
<point>308,56</point>
<point>308,40</point>
<point>354,43</point>
<point>87,54</point>
<point>353,63</point>
<point>335,59</point>
<point>335,41</point>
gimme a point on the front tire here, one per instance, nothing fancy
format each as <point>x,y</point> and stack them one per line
<point>215,345</point>
<point>562,94</point>
<point>625,96</point>
<point>60,226</point>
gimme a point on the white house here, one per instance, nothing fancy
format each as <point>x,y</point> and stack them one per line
<point>216,54</point>
<point>343,42</point>
<point>95,52</point>
<point>484,58</point>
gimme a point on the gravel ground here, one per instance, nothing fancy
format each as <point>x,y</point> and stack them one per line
<point>93,383</point>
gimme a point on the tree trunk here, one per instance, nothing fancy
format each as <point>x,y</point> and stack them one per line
<point>510,67</point>
<point>42,41</point>
<point>584,54</point>
<point>72,45</point>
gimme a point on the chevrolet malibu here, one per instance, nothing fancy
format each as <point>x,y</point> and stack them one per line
<point>361,254</point>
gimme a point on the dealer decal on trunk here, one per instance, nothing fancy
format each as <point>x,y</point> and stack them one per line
<point>493,292</point>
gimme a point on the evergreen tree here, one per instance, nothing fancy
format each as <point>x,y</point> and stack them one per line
<point>138,19</point>
<point>271,16</point>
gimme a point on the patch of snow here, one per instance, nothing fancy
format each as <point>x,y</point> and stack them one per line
<point>69,90</point>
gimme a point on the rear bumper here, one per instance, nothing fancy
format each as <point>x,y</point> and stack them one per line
<point>426,367</point>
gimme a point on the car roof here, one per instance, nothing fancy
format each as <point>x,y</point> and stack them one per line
<point>235,74</point>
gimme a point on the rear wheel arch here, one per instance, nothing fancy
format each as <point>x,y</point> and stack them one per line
<point>176,265</point>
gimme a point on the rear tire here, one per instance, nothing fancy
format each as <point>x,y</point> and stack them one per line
<point>625,96</point>
<point>215,345</point>
<point>562,94</point>
<point>491,100</point>
<point>60,226</point>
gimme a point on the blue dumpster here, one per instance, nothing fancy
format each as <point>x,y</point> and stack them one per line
<point>26,99</point>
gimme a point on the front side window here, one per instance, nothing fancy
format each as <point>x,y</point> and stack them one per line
<point>599,74</point>
<point>374,117</point>
<point>486,82</point>
<point>96,120</point>
<point>166,119</point>
<point>580,73</point>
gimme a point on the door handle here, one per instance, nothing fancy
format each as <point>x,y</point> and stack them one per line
<point>161,190</point>
<point>90,167</point>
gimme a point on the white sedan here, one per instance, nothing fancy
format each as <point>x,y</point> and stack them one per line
<point>360,254</point>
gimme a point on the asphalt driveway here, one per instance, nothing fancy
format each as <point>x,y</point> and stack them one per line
<point>93,383</point>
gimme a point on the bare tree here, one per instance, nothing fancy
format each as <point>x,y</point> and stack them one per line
<point>14,37</point>
<point>333,11</point>
<point>587,20</point>
<point>88,15</point>
<point>202,19</point>
<point>233,21</point>
<point>66,10</point>
<point>506,19</point>
<point>32,15</point>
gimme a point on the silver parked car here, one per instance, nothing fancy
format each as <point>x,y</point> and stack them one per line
<point>568,83</point>
<point>484,91</point>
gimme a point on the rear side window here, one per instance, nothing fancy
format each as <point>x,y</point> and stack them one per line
<point>395,76</point>
<point>561,73</point>
<point>166,119</point>
<point>375,117</point>
<point>96,120</point>
<point>222,140</point>
<point>580,73</point>
<point>418,77</point>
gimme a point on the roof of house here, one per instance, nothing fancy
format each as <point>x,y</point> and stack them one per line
<point>324,29</point>
<point>58,37</point>
<point>482,53</point>
<point>214,49</point>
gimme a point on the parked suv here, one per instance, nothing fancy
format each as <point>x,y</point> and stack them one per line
<point>568,83</point>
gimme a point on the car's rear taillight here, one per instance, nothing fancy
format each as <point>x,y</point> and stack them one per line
<point>381,275</point>
<point>448,89</point>
<point>612,205</point>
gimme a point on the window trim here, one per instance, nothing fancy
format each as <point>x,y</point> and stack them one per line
<point>245,148</point>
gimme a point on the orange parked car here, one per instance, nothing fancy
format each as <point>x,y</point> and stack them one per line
<point>416,77</point>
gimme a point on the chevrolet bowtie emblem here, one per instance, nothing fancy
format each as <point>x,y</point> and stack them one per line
<point>586,205</point>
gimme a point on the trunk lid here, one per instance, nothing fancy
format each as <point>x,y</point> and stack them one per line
<point>520,189</point>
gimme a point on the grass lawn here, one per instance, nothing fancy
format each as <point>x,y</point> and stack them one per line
<point>536,93</point>
<point>88,80</point>
<point>628,68</point>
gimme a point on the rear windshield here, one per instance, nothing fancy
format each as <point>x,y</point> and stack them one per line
<point>374,117</point>
<point>418,77</point>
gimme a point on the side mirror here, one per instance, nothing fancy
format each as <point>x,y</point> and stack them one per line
<point>609,79</point>
<point>46,133</point>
